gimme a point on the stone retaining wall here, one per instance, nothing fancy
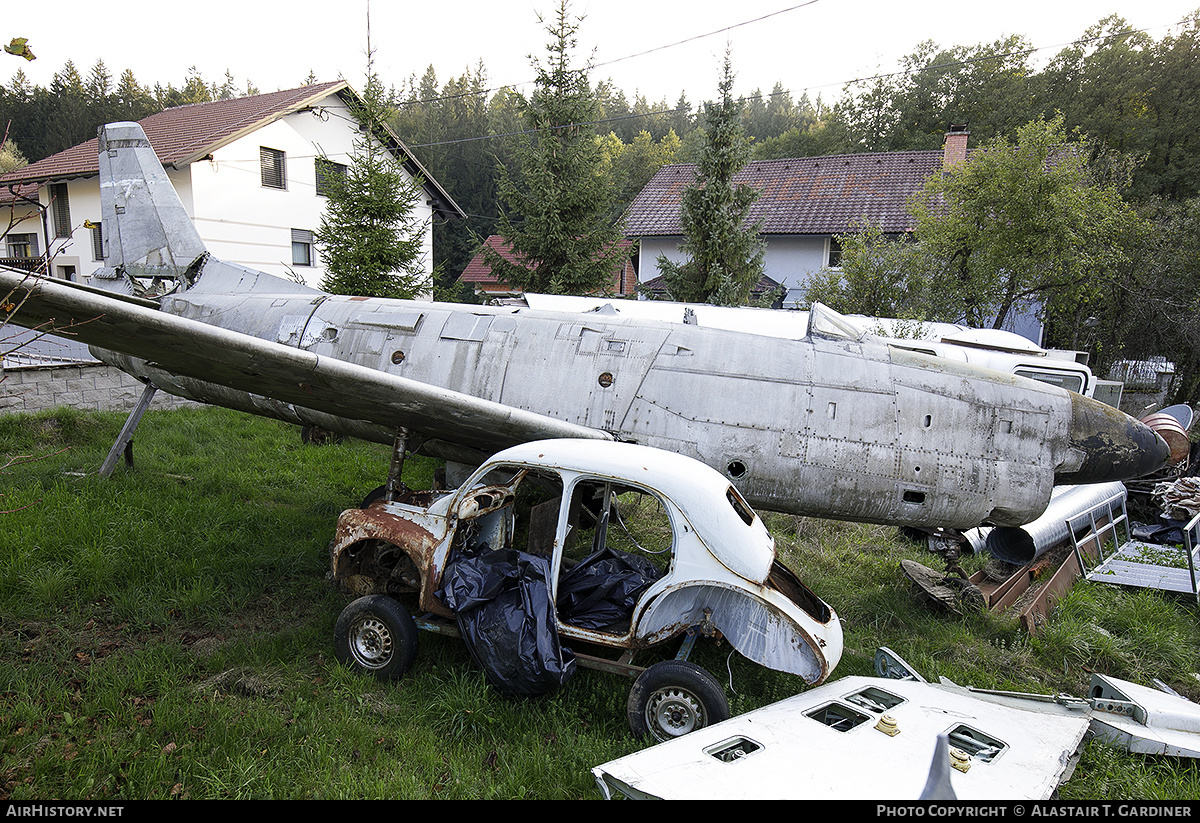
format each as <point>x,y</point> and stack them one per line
<point>87,386</point>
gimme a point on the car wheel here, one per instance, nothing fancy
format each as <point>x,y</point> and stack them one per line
<point>377,636</point>
<point>376,494</point>
<point>675,697</point>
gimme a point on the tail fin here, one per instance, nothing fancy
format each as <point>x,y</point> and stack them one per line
<point>147,233</point>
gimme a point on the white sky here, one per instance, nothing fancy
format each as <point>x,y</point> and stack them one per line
<point>812,46</point>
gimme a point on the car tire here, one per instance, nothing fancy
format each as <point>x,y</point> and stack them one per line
<point>376,635</point>
<point>376,494</point>
<point>674,697</point>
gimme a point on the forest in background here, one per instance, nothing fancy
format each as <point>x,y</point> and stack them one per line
<point>1130,98</point>
<point>1125,91</point>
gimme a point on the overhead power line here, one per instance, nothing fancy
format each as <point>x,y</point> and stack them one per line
<point>842,84</point>
<point>614,61</point>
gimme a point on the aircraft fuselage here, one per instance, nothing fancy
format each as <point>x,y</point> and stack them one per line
<point>825,427</point>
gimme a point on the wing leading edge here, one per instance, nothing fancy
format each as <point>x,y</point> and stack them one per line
<point>197,350</point>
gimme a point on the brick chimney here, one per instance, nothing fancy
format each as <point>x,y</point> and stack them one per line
<point>954,149</point>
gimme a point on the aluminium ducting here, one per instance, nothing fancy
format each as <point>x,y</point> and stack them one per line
<point>1022,544</point>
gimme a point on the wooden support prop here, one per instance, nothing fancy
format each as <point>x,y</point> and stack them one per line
<point>124,442</point>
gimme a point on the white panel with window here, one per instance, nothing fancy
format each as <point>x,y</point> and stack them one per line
<point>302,247</point>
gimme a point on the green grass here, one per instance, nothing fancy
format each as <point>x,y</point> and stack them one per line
<point>166,633</point>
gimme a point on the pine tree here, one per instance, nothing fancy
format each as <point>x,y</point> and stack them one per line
<point>725,255</point>
<point>371,238</point>
<point>556,209</point>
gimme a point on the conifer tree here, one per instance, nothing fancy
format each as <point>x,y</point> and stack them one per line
<point>371,237</point>
<point>555,214</point>
<point>725,254</point>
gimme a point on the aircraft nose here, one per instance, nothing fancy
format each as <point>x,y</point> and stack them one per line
<point>1113,445</point>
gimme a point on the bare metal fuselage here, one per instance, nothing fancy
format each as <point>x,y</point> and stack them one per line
<point>827,427</point>
<point>837,424</point>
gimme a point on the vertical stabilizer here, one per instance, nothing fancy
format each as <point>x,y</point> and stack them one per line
<point>147,233</point>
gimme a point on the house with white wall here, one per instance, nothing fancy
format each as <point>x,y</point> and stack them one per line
<point>250,172</point>
<point>804,205</point>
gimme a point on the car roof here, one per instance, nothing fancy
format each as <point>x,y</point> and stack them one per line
<point>744,547</point>
<point>669,472</point>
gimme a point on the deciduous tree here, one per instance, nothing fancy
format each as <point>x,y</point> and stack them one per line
<point>10,156</point>
<point>1021,221</point>
<point>878,276</point>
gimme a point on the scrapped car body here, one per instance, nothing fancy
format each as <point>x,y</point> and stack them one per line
<point>565,500</point>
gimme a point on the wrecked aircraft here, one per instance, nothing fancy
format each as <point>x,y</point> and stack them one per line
<point>836,424</point>
<point>990,348</point>
<point>940,741</point>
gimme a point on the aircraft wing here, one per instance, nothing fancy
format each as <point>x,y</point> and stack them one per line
<point>190,348</point>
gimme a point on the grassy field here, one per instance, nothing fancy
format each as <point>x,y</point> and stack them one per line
<point>166,633</point>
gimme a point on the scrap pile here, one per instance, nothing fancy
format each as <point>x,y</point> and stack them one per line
<point>1084,532</point>
<point>1179,499</point>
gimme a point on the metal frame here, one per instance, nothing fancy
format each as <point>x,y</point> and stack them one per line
<point>1107,523</point>
<point>622,665</point>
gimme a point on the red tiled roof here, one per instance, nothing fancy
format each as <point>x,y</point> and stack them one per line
<point>807,195</point>
<point>184,134</point>
<point>480,273</point>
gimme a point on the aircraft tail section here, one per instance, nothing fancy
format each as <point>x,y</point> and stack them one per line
<point>148,236</point>
<point>147,232</point>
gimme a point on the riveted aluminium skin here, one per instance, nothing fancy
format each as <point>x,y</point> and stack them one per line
<point>838,424</point>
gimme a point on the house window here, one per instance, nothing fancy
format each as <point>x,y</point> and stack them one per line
<point>328,173</point>
<point>835,254</point>
<point>302,243</point>
<point>274,173</point>
<point>22,245</point>
<point>60,210</point>
<point>97,241</point>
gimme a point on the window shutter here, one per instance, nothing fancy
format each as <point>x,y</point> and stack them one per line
<point>328,172</point>
<point>60,210</point>
<point>302,241</point>
<point>97,242</point>
<point>272,162</point>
